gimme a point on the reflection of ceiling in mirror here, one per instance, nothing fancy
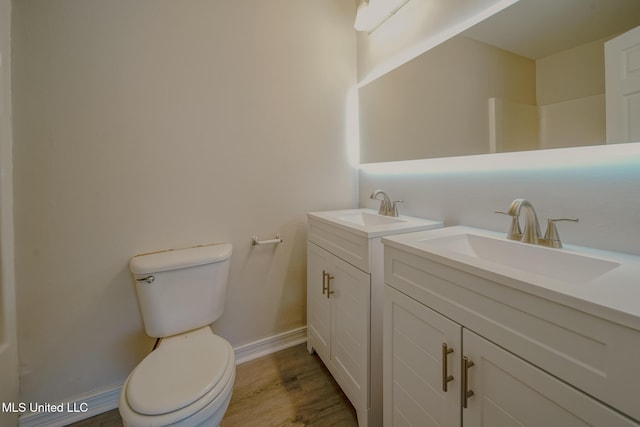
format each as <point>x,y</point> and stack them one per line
<point>539,28</point>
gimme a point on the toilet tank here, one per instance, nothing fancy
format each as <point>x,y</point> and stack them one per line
<point>181,290</point>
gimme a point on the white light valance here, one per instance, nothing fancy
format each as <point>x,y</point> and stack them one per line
<point>372,13</point>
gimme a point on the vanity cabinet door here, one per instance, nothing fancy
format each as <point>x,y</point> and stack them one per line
<point>338,326</point>
<point>417,365</point>
<point>510,392</point>
<point>319,262</point>
<point>350,296</point>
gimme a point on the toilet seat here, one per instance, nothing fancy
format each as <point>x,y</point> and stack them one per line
<point>186,374</point>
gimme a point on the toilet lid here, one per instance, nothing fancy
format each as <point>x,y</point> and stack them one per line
<point>177,374</point>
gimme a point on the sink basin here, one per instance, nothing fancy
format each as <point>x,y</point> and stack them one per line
<point>367,219</point>
<point>569,267</point>
<point>369,223</point>
<point>354,234</point>
<point>456,260</point>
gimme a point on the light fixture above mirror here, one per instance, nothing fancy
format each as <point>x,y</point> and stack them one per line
<point>372,13</point>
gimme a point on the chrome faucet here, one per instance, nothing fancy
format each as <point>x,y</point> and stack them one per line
<point>387,208</point>
<point>531,233</point>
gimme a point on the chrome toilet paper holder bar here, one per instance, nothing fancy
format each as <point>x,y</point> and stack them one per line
<point>277,240</point>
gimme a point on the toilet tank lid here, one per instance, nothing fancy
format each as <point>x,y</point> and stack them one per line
<point>174,259</point>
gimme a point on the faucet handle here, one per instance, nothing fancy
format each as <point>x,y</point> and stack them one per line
<point>394,208</point>
<point>551,236</point>
<point>515,233</point>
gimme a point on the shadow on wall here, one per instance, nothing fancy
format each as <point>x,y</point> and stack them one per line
<point>278,273</point>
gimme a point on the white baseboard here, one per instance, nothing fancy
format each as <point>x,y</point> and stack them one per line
<point>76,409</point>
<point>269,345</point>
<point>92,404</point>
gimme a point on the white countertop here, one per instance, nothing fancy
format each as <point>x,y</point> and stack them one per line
<point>613,295</point>
<point>404,224</point>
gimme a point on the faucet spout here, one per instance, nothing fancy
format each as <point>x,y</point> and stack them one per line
<point>386,207</point>
<point>531,232</point>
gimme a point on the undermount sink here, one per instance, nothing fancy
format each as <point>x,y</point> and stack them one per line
<point>369,223</point>
<point>569,267</point>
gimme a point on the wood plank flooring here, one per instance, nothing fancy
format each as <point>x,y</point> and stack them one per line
<point>287,388</point>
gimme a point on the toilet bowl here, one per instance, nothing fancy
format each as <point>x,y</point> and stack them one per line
<point>186,381</point>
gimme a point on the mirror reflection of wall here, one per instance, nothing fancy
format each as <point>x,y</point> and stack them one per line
<point>467,96</point>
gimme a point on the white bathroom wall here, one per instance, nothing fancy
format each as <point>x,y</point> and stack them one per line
<point>155,124</point>
<point>599,185</point>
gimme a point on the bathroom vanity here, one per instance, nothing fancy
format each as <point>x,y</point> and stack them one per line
<point>484,331</point>
<point>344,299</point>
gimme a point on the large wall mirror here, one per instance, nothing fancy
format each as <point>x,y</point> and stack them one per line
<point>529,77</point>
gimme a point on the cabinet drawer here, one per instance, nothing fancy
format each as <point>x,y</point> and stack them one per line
<point>350,247</point>
<point>593,354</point>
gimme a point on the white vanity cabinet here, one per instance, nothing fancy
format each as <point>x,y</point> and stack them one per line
<point>502,389</point>
<point>338,296</point>
<point>344,300</point>
<point>532,360</point>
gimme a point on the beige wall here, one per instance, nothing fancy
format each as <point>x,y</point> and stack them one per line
<point>153,124</point>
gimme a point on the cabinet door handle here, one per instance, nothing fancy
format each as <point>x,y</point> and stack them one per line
<point>324,285</point>
<point>329,291</point>
<point>446,378</point>
<point>466,394</point>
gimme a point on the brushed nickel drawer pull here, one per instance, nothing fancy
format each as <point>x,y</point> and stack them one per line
<point>446,378</point>
<point>466,394</point>
<point>329,291</point>
<point>324,285</point>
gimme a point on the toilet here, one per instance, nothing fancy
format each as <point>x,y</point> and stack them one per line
<point>188,379</point>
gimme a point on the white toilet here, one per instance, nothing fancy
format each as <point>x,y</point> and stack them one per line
<point>188,379</point>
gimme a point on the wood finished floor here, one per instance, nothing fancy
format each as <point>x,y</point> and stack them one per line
<point>287,388</point>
